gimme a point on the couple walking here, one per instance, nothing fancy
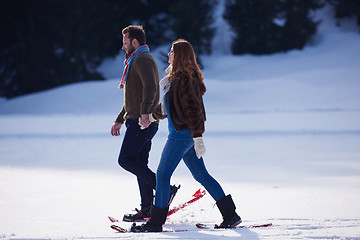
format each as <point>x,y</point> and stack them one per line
<point>182,105</point>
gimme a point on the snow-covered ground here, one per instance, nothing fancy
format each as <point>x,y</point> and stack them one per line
<point>282,136</point>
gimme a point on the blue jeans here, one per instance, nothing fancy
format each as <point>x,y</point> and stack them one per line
<point>173,152</point>
<point>134,157</point>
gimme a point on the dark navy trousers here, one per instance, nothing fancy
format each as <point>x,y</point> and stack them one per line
<point>134,157</point>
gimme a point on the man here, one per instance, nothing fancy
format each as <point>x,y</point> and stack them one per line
<point>140,82</point>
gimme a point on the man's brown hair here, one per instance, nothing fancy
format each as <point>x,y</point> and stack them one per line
<point>135,32</point>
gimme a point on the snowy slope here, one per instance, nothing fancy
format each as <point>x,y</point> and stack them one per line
<point>282,136</point>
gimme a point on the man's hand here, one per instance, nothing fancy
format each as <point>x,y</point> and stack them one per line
<point>115,129</point>
<point>145,120</point>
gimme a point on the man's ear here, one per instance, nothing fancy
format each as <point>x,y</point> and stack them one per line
<point>135,43</point>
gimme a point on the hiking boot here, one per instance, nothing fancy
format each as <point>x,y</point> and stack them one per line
<point>139,216</point>
<point>144,214</point>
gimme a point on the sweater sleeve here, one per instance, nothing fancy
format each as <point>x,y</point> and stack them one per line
<point>157,114</point>
<point>146,71</point>
<point>120,117</point>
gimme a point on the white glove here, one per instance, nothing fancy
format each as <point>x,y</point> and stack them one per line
<point>199,147</point>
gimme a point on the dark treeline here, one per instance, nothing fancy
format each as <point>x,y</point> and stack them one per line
<point>279,25</point>
<point>346,8</point>
<point>47,43</point>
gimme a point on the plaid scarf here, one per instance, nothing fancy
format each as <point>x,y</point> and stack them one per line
<point>129,60</point>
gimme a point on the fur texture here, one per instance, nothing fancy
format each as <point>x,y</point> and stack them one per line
<point>186,105</point>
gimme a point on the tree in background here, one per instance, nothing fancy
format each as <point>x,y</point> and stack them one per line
<point>346,8</point>
<point>193,21</point>
<point>269,26</point>
<point>45,43</point>
<point>49,43</point>
<point>155,18</point>
<point>166,21</point>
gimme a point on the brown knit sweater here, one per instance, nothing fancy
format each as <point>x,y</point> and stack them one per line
<point>141,91</point>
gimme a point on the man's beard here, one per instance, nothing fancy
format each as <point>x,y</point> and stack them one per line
<point>131,50</point>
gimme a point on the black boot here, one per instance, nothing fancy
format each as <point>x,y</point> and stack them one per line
<point>157,219</point>
<point>227,208</point>
<point>140,215</point>
<point>144,213</point>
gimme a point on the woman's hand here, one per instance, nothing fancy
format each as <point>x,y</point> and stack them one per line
<point>199,147</point>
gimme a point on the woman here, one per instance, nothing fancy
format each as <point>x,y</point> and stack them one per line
<point>183,106</point>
